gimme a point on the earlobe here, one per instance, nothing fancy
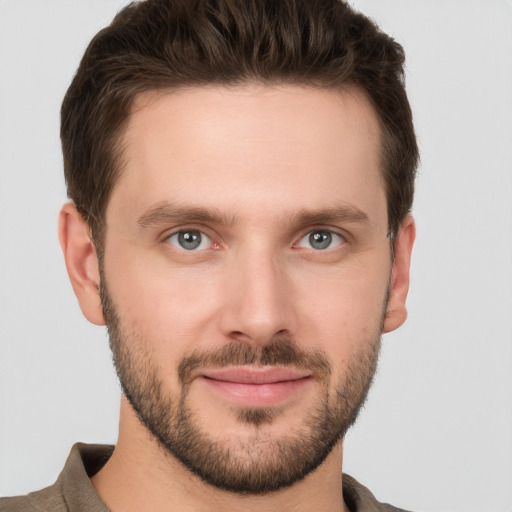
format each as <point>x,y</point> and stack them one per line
<point>81,262</point>
<point>396,312</point>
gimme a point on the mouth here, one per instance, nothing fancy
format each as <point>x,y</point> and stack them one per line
<point>256,387</point>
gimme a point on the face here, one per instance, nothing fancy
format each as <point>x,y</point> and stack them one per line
<point>246,276</point>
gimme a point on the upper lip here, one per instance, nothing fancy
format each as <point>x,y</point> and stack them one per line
<point>256,375</point>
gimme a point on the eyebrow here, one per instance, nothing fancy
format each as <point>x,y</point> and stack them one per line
<point>164,213</point>
<point>347,213</point>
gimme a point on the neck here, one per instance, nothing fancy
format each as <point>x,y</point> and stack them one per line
<point>141,476</point>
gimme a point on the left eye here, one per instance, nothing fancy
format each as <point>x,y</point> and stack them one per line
<point>320,240</point>
<point>190,240</point>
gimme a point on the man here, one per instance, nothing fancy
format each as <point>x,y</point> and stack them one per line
<point>241,176</point>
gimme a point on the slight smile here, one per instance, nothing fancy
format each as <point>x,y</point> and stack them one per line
<point>256,387</point>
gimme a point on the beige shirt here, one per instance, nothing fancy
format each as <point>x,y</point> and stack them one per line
<point>73,491</point>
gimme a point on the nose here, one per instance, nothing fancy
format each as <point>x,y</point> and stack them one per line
<point>258,301</point>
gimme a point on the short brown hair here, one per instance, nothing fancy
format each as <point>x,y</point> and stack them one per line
<point>167,44</point>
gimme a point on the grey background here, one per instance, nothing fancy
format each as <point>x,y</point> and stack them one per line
<point>436,434</point>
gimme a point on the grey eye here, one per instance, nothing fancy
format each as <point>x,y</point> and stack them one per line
<point>190,240</point>
<point>320,240</point>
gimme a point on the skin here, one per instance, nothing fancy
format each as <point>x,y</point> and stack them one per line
<point>259,156</point>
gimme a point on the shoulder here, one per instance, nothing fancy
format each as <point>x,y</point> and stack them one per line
<point>72,490</point>
<point>360,499</point>
<point>48,499</point>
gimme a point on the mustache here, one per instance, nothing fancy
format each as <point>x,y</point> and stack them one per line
<point>276,353</point>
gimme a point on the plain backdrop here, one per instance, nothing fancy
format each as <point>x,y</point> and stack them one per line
<point>436,434</point>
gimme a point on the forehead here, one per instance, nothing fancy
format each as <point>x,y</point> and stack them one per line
<point>297,114</point>
<point>234,147</point>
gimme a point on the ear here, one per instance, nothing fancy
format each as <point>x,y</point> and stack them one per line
<point>81,262</point>
<point>399,286</point>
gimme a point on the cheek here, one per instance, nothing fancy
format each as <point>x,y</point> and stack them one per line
<point>344,309</point>
<point>163,304</point>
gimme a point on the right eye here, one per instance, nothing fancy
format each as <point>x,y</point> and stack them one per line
<point>190,240</point>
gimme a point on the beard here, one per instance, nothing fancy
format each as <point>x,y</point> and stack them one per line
<point>260,463</point>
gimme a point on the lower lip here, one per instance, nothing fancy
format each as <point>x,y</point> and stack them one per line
<point>257,395</point>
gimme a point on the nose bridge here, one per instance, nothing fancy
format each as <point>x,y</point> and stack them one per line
<point>259,303</point>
